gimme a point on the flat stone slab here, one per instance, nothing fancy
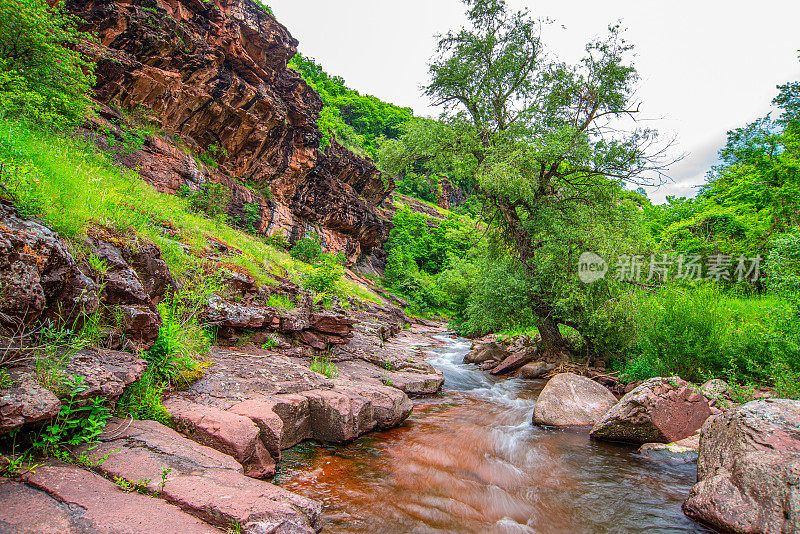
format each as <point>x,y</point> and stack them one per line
<point>202,481</point>
<point>235,376</point>
<point>410,381</point>
<point>66,499</point>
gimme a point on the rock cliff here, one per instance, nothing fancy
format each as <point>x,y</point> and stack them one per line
<point>210,82</point>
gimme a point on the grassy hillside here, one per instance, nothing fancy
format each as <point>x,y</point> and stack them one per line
<point>68,183</point>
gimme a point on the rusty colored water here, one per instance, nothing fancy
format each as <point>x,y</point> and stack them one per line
<point>470,461</point>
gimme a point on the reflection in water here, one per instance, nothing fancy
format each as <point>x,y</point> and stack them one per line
<point>470,461</point>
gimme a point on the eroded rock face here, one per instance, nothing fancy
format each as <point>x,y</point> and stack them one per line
<point>748,469</point>
<point>214,74</point>
<point>572,400</point>
<point>25,401</point>
<point>39,278</point>
<point>661,410</point>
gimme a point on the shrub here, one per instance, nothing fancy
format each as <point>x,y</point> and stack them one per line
<point>211,199</point>
<point>307,249</point>
<point>326,276</point>
<point>42,74</point>
<point>700,334</point>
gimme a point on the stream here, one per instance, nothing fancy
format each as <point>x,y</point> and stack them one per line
<point>469,460</point>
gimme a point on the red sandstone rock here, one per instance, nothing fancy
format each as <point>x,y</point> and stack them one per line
<point>661,410</point>
<point>65,499</point>
<point>202,481</point>
<point>224,431</point>
<point>216,74</point>
<point>337,417</point>
<point>25,401</point>
<point>748,469</point>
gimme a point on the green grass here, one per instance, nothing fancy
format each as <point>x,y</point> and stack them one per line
<point>71,185</point>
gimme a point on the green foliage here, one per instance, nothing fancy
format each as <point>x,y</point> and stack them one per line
<point>66,182</point>
<point>278,241</point>
<point>326,277</point>
<point>281,301</point>
<point>307,249</point>
<point>269,344</point>
<point>358,121</point>
<point>251,216</point>
<point>142,400</point>
<point>324,366</point>
<point>423,262</point>
<point>211,199</point>
<point>43,76</point>
<point>700,334</point>
<point>78,421</point>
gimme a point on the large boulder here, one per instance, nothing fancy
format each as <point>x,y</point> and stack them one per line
<point>748,469</point>
<point>572,400</point>
<point>661,410</point>
<point>487,351</point>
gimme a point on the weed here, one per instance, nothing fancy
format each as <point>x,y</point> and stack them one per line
<point>269,344</point>
<point>138,486</point>
<point>164,472</point>
<point>307,249</point>
<point>6,382</point>
<point>211,199</point>
<point>78,422</point>
<point>278,241</point>
<point>234,527</point>
<point>280,301</point>
<point>324,366</point>
<point>325,278</point>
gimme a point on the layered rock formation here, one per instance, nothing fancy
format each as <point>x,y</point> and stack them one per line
<point>211,79</point>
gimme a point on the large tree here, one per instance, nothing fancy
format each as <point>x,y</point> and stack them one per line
<point>555,145</point>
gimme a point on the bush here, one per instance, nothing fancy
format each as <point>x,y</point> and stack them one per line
<point>42,74</point>
<point>326,276</point>
<point>307,249</point>
<point>211,199</point>
<point>700,334</point>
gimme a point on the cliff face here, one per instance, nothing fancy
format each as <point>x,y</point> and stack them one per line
<point>211,79</point>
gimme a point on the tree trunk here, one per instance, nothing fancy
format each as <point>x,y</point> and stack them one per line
<point>553,347</point>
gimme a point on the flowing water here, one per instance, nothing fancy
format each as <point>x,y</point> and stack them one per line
<point>469,460</point>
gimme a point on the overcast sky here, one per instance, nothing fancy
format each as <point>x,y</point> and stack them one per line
<point>705,66</point>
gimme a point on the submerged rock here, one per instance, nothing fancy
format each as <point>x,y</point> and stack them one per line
<point>748,469</point>
<point>572,400</point>
<point>661,410</point>
<point>670,453</point>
